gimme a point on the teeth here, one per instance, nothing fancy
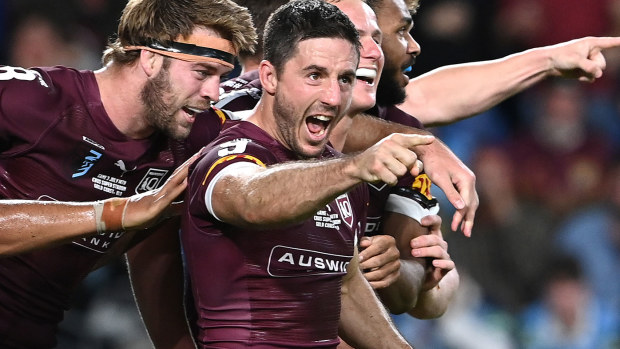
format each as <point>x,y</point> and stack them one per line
<point>366,73</point>
<point>322,118</point>
<point>195,110</point>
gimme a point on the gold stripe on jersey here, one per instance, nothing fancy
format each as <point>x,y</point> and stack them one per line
<point>423,185</point>
<point>229,158</point>
<point>220,114</point>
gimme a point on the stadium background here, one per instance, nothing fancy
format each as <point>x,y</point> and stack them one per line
<point>546,162</point>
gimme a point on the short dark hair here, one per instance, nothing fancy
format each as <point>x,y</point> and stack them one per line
<point>301,20</point>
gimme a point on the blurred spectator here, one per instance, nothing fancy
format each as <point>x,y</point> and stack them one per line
<point>524,24</point>
<point>71,33</point>
<point>38,41</point>
<point>449,32</point>
<point>512,235</point>
<point>568,315</point>
<point>592,235</point>
<point>561,160</point>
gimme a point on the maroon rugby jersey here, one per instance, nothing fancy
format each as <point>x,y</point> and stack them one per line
<point>58,143</point>
<point>271,288</point>
<point>411,196</point>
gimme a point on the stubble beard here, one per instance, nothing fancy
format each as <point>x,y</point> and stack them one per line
<point>389,91</point>
<point>284,116</point>
<point>159,113</point>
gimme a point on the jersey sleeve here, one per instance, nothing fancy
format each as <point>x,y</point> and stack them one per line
<point>412,197</point>
<point>27,100</point>
<point>223,158</point>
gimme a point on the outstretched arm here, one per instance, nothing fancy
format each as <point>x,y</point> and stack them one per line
<point>261,196</point>
<point>364,322</point>
<point>27,225</point>
<point>455,92</point>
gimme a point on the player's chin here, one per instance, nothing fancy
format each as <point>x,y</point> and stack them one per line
<point>312,150</point>
<point>180,132</point>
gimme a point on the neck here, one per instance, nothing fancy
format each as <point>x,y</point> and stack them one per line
<point>119,87</point>
<point>262,116</point>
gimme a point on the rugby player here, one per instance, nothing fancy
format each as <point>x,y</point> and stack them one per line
<point>69,135</point>
<point>279,233</point>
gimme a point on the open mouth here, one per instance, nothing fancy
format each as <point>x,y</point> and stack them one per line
<point>368,76</point>
<point>317,125</point>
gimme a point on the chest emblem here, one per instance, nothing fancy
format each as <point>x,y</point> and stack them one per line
<point>346,212</point>
<point>151,180</point>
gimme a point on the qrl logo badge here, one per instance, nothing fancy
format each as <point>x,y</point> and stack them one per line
<point>152,180</point>
<point>346,212</point>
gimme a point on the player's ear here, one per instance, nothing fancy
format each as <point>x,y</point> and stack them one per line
<point>268,76</point>
<point>151,62</point>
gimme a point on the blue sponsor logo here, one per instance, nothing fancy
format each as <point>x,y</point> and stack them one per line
<point>87,163</point>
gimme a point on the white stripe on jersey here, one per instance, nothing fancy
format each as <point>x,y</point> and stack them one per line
<point>236,168</point>
<point>409,207</point>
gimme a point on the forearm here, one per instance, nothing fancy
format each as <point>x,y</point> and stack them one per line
<point>364,322</point>
<point>452,93</point>
<point>434,302</point>
<point>281,194</point>
<point>402,295</point>
<point>156,274</point>
<point>28,225</point>
<point>368,130</point>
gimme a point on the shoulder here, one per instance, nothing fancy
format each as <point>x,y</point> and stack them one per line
<point>39,87</point>
<point>36,96</point>
<point>240,142</point>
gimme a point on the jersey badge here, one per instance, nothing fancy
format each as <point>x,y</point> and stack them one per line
<point>346,212</point>
<point>151,180</point>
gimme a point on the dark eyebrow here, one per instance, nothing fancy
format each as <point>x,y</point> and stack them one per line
<point>314,67</point>
<point>407,21</point>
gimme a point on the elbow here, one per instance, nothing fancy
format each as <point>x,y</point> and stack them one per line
<point>398,309</point>
<point>398,304</point>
